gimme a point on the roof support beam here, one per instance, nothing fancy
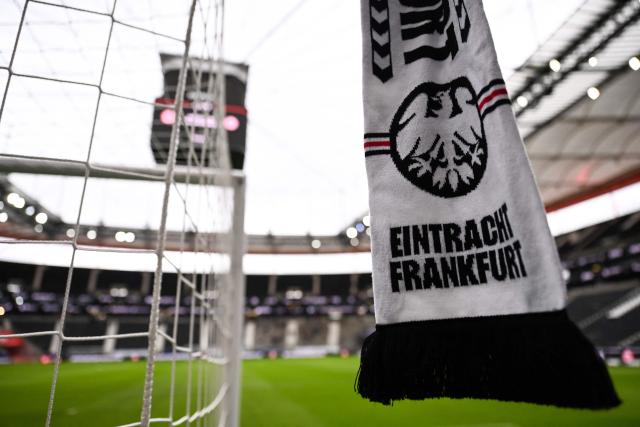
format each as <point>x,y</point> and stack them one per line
<point>621,181</point>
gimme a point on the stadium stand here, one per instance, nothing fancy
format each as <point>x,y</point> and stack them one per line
<point>337,284</point>
<point>614,332</point>
<point>334,312</point>
<point>583,306</point>
<point>270,333</point>
<point>257,286</point>
<point>22,324</point>
<point>130,325</point>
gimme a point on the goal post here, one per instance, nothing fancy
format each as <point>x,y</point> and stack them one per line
<point>210,195</point>
<point>238,302</point>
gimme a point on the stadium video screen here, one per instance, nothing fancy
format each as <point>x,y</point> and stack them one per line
<point>199,107</point>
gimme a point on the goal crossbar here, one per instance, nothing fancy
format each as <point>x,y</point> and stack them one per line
<point>60,167</point>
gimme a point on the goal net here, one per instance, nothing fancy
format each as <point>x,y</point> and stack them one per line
<point>82,96</point>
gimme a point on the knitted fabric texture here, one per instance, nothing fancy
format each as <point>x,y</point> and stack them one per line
<point>469,297</point>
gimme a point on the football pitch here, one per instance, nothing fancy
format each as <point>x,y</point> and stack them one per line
<point>276,393</point>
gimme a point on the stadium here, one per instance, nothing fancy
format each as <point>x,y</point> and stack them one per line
<point>186,231</point>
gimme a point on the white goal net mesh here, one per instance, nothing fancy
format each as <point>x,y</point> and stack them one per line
<point>81,88</point>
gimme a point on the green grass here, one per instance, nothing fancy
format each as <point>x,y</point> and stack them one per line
<point>280,393</point>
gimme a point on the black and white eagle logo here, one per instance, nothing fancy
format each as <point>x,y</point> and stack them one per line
<point>437,138</point>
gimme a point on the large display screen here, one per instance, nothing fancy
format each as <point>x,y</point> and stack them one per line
<point>199,108</point>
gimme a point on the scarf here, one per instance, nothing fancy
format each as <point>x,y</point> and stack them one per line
<point>468,292</point>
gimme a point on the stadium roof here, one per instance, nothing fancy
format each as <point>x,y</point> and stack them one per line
<point>578,106</point>
<point>313,183</point>
<point>304,160</point>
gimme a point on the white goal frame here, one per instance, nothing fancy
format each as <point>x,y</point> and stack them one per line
<point>225,404</point>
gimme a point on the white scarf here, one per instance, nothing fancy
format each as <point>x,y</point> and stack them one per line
<point>464,267</point>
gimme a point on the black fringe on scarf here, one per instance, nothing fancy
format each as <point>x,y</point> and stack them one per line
<point>539,358</point>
